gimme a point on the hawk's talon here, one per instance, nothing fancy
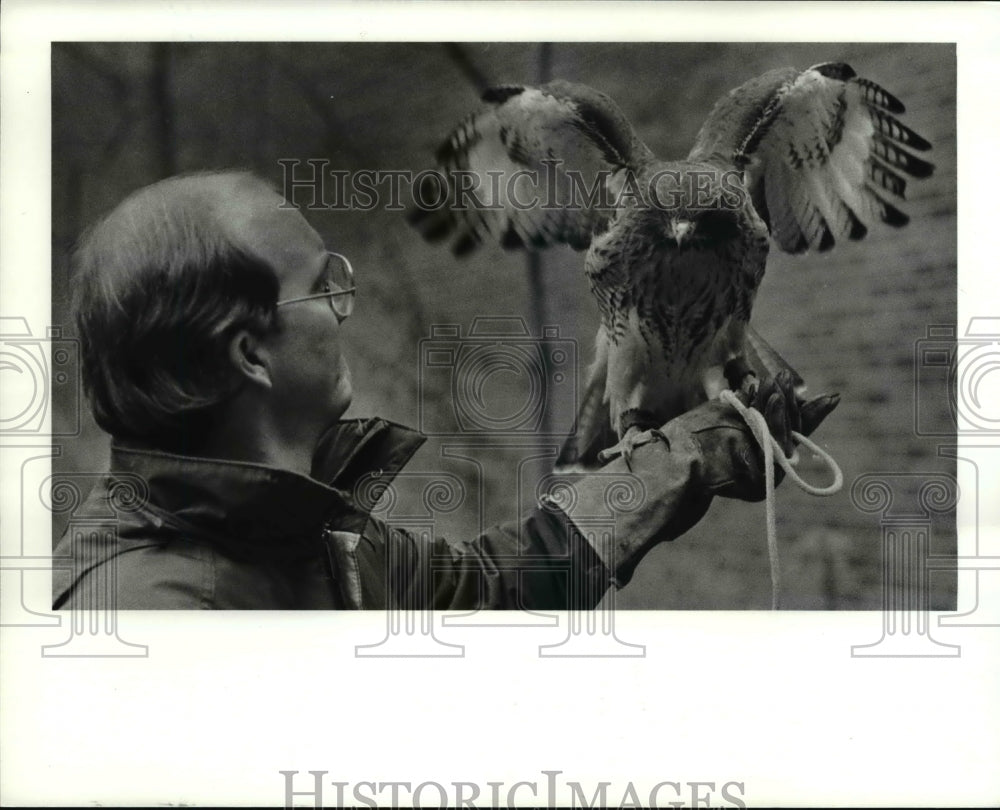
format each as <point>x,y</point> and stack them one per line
<point>750,386</point>
<point>632,439</point>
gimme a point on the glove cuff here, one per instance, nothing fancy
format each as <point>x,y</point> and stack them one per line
<point>667,486</point>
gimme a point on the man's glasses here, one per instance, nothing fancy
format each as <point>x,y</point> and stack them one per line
<point>337,284</point>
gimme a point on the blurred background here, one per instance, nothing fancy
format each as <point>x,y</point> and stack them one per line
<point>128,114</point>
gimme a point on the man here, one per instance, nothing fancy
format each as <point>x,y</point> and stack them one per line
<point>210,317</point>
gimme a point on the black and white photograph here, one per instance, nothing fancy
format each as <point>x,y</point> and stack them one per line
<point>550,259</point>
<point>420,366</point>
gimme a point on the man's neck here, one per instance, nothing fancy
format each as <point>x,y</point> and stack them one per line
<point>256,441</point>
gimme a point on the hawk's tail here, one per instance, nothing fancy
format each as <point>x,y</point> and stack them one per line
<point>767,362</point>
<point>592,432</point>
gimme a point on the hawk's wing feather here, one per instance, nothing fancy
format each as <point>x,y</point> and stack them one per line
<point>554,131</point>
<point>822,151</point>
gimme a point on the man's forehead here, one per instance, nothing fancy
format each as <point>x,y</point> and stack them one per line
<point>253,206</point>
<point>262,220</point>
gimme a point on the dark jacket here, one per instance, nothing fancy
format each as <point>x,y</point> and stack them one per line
<point>170,531</point>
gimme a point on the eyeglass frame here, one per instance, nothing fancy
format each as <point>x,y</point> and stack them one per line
<point>331,295</point>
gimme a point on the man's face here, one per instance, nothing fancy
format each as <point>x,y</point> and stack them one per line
<point>311,382</point>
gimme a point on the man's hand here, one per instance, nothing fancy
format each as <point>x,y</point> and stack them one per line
<point>732,463</point>
<point>705,452</point>
<point>784,411</point>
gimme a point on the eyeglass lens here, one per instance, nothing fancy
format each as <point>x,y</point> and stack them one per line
<point>339,277</point>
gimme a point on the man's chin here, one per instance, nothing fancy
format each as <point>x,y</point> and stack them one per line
<point>345,395</point>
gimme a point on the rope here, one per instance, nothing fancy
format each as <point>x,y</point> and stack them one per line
<point>758,426</point>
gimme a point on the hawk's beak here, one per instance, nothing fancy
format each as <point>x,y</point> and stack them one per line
<point>682,228</point>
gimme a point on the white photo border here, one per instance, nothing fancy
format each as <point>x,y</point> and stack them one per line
<point>224,702</point>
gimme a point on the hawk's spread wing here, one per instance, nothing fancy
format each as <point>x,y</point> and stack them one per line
<point>822,157</point>
<point>822,151</point>
<point>508,169</point>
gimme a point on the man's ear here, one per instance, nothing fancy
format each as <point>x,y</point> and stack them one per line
<point>249,358</point>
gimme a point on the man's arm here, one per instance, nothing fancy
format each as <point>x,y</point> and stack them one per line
<point>568,551</point>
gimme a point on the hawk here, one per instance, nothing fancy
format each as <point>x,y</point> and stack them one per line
<point>676,250</point>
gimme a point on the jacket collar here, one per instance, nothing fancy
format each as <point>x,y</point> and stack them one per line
<point>253,506</point>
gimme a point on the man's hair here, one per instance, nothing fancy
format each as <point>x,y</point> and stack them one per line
<point>160,286</point>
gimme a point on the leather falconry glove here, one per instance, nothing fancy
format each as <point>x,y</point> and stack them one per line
<point>668,484</point>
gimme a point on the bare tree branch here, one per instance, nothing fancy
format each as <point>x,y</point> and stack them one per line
<point>162,100</point>
<point>463,60</point>
<point>534,263</point>
<point>337,137</point>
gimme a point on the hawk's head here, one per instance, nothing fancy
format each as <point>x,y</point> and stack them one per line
<point>703,228</point>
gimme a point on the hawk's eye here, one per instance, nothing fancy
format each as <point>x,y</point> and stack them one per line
<point>717,226</point>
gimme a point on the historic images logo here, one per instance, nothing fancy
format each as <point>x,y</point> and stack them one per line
<point>547,791</point>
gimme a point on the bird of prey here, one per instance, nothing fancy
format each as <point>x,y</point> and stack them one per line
<point>675,249</point>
